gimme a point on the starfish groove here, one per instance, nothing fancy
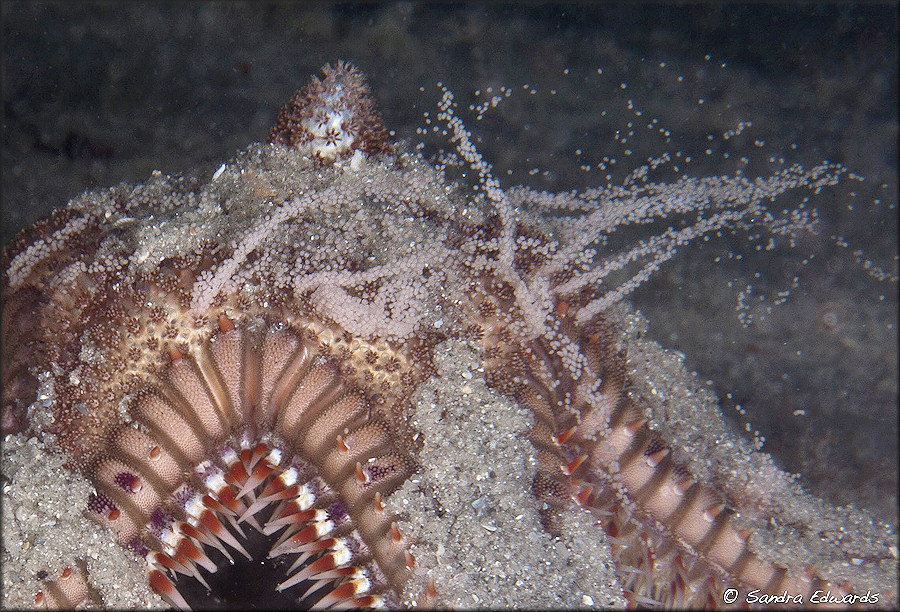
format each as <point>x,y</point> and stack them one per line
<point>235,365</point>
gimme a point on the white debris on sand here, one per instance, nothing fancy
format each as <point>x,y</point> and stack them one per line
<point>44,531</point>
<point>471,508</point>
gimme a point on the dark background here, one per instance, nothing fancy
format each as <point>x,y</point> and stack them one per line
<point>97,93</point>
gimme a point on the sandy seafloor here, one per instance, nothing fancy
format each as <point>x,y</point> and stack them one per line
<point>96,94</point>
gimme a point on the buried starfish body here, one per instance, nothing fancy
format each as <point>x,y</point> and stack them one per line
<point>232,364</point>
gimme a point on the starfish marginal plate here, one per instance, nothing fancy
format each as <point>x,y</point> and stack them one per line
<point>243,369</point>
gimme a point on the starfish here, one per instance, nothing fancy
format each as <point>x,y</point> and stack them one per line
<point>240,368</point>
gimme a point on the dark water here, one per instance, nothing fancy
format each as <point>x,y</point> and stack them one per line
<point>99,93</point>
